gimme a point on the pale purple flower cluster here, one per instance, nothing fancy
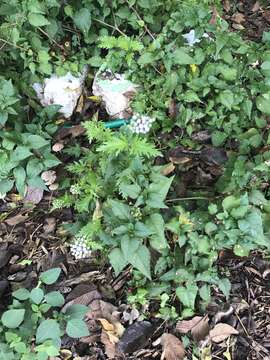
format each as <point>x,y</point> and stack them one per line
<point>140,124</point>
<point>79,248</point>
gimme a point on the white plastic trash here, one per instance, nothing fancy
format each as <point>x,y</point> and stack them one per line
<point>63,90</point>
<point>116,92</point>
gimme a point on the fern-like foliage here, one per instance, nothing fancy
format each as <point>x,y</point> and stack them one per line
<point>96,131</point>
<point>122,42</point>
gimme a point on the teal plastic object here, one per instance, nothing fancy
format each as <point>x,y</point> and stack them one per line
<point>115,123</point>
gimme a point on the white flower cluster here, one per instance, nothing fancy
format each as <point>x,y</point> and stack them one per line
<point>79,248</point>
<point>140,124</point>
<point>75,189</point>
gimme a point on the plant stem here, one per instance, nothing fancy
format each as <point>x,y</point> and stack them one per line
<point>189,198</point>
<point>11,44</point>
<point>110,26</point>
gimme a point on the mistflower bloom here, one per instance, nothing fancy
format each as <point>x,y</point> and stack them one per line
<point>79,248</point>
<point>75,189</point>
<point>140,124</point>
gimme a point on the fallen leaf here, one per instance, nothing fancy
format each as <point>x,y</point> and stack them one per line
<point>54,186</point>
<point>136,336</point>
<point>221,332</point>
<point>256,6</point>
<point>48,177</point>
<point>238,18</point>
<point>57,147</point>
<point>172,348</point>
<point>173,109</point>
<point>50,225</point>
<point>266,15</point>
<point>107,326</point>
<point>238,26</point>
<point>33,195</point>
<point>84,299</point>
<point>102,309</point>
<point>74,131</point>
<point>167,169</point>
<point>213,19</point>
<point>110,348</point>
<point>114,330</point>
<point>201,329</point>
<point>17,219</point>
<point>184,326</point>
<point>227,5</point>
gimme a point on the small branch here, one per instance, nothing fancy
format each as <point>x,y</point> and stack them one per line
<point>139,17</point>
<point>13,45</point>
<point>51,39</point>
<point>116,28</point>
<point>188,199</point>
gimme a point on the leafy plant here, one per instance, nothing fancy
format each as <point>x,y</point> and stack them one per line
<point>33,326</point>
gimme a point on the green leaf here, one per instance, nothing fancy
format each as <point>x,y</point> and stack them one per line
<point>6,186</point>
<point>37,20</point>
<point>218,138</point>
<point>48,329</point>
<point>157,226</point>
<point>225,286</point>
<point>33,168</point>
<point>77,328</point>
<point>146,58</point>
<point>129,247</point>
<point>55,298</point>
<point>187,295</point>
<point>131,191</point>
<point>13,318</point>
<point>230,202</point>
<point>226,98</point>
<point>36,141</point>
<point>50,276</point>
<point>37,182</point>
<point>77,311</point>
<point>180,57</point>
<point>205,293</point>
<point>117,260</point>
<point>263,103</point>
<point>141,261</point>
<point>240,250</point>
<point>239,212</point>
<point>20,175</point>
<point>37,295</point>
<point>82,20</point>
<point>120,210</point>
<point>21,294</point>
<point>20,153</point>
<point>157,192</point>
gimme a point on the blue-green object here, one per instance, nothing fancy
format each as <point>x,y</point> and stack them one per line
<point>115,123</point>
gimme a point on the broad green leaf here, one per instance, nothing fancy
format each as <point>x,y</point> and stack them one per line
<point>225,286</point>
<point>55,298</point>
<point>180,57</point>
<point>187,295</point>
<point>13,318</point>
<point>218,138</point>
<point>263,103</point>
<point>241,250</point>
<point>141,261</point>
<point>6,186</point>
<point>77,328</point>
<point>157,192</point>
<point>157,226</point>
<point>117,260</point>
<point>20,175</point>
<point>77,311</point>
<point>146,58</point>
<point>230,202</point>
<point>33,168</point>
<point>37,182</point>
<point>21,294</point>
<point>37,295</point>
<point>256,197</point>
<point>82,19</point>
<point>226,98</point>
<point>119,209</point>
<point>205,293</point>
<point>36,141</point>
<point>50,276</point>
<point>129,247</point>
<point>48,329</point>
<point>37,20</point>
<point>20,153</point>
<point>239,212</point>
<point>129,191</point>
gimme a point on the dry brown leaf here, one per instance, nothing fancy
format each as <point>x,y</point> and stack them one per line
<point>256,6</point>
<point>110,349</point>
<point>50,225</point>
<point>57,147</point>
<point>167,169</point>
<point>213,19</point>
<point>84,299</point>
<point>33,195</point>
<point>172,348</point>
<point>238,18</point>
<point>238,26</point>
<point>107,326</point>
<point>54,186</point>
<point>201,329</point>
<point>221,332</point>
<point>184,326</point>
<point>266,15</point>
<point>17,219</point>
<point>227,5</point>
<point>48,177</point>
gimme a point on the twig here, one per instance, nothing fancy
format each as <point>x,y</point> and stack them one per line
<point>116,28</point>
<point>11,44</point>
<point>139,17</point>
<point>189,198</point>
<point>51,39</point>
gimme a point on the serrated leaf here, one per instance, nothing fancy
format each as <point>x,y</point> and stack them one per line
<point>157,226</point>
<point>82,19</point>
<point>180,57</point>
<point>117,260</point>
<point>187,295</point>
<point>37,20</point>
<point>141,261</point>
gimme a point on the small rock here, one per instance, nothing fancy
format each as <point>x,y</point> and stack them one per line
<point>136,336</point>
